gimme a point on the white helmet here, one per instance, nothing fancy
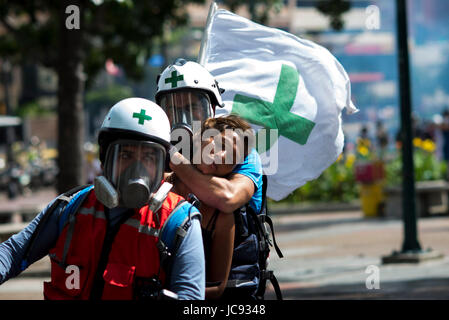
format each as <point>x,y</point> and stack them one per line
<point>135,118</point>
<point>134,141</point>
<point>189,76</point>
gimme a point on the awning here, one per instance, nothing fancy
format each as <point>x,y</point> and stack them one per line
<point>8,121</point>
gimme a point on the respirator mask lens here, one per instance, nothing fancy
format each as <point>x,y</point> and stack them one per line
<point>135,169</point>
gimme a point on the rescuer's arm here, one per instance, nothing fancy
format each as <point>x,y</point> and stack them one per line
<point>188,270</point>
<point>225,194</point>
<point>12,251</point>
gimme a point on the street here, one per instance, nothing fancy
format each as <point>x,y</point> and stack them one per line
<point>326,256</point>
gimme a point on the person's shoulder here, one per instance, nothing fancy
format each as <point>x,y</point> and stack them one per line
<point>172,200</point>
<point>67,203</point>
<point>188,208</point>
<point>254,158</point>
<point>251,167</point>
<point>176,202</point>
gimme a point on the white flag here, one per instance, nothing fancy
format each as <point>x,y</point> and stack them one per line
<point>276,80</point>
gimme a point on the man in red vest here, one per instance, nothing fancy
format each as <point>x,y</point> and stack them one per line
<point>126,237</point>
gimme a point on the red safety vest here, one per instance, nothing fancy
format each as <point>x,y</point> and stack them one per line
<point>133,254</point>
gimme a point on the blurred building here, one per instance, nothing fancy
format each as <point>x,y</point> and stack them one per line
<point>366,47</point>
<point>30,86</point>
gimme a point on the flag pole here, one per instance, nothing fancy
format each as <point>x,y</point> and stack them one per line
<point>202,54</point>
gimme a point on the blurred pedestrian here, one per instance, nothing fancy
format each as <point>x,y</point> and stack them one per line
<point>364,146</point>
<point>382,139</point>
<point>438,136</point>
<point>445,132</point>
<point>92,163</point>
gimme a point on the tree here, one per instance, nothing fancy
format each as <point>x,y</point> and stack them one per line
<point>334,9</point>
<point>259,9</point>
<point>75,38</point>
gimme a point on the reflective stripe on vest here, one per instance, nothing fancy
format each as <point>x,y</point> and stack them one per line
<point>142,228</point>
<point>92,211</point>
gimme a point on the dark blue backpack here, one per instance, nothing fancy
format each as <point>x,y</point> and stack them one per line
<point>249,273</point>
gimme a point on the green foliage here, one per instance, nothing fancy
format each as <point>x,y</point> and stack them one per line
<point>427,166</point>
<point>97,99</point>
<point>337,183</point>
<point>120,30</point>
<point>393,172</point>
<point>32,109</point>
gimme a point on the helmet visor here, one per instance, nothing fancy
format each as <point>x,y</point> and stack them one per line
<point>135,162</point>
<point>184,107</point>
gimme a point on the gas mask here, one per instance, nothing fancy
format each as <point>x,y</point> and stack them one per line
<point>185,106</point>
<point>133,171</point>
<point>134,185</point>
<point>181,137</point>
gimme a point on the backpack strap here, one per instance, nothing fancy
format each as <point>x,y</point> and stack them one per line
<point>264,192</point>
<point>71,200</point>
<point>68,216</point>
<point>213,221</point>
<point>264,217</point>
<point>270,223</point>
<point>275,284</point>
<point>260,220</point>
<point>265,276</point>
<point>73,204</point>
<point>175,229</point>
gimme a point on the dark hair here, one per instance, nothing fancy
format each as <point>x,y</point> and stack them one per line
<point>233,122</point>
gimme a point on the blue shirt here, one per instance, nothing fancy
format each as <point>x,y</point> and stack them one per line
<point>187,271</point>
<point>252,168</point>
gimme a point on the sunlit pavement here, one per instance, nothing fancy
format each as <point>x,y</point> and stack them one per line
<point>326,256</point>
<point>29,285</point>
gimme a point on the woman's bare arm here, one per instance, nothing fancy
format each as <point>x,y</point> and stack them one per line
<point>221,255</point>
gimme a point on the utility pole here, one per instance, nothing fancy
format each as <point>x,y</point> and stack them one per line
<point>411,242</point>
<point>411,248</point>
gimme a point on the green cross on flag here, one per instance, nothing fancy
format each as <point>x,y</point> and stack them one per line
<point>276,80</point>
<point>276,115</point>
<point>141,116</point>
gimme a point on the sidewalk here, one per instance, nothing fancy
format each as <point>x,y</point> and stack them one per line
<point>326,256</point>
<point>15,214</point>
<point>28,204</point>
